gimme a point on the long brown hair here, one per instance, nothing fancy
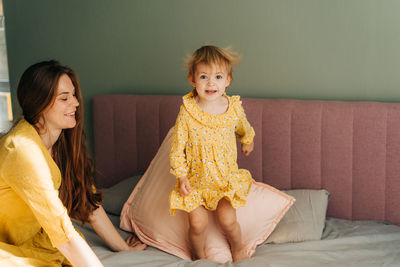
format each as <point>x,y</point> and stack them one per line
<point>36,91</point>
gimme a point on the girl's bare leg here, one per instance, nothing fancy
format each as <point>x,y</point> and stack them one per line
<point>226,215</point>
<point>198,220</point>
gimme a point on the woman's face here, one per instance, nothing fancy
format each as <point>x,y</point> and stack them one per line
<point>60,114</point>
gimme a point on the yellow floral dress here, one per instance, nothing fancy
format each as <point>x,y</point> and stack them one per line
<point>203,148</point>
<point>33,220</point>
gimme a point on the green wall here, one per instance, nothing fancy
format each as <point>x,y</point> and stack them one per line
<point>306,49</point>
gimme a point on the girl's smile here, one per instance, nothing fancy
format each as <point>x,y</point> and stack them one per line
<point>210,92</point>
<point>210,82</point>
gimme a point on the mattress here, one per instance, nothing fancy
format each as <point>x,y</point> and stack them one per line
<point>344,243</point>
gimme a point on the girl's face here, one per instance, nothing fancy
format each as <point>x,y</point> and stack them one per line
<point>61,113</point>
<point>210,81</point>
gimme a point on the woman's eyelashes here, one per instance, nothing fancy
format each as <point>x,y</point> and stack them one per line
<point>66,98</point>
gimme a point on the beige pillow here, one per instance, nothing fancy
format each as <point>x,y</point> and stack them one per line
<point>305,220</point>
<point>146,212</point>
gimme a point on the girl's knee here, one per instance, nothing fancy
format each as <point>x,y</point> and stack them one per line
<point>226,215</point>
<point>198,222</point>
<point>198,225</point>
<point>227,223</point>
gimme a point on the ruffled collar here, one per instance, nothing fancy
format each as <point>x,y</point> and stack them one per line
<point>211,120</point>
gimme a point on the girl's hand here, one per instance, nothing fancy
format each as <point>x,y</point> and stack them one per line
<point>184,187</point>
<point>134,243</point>
<point>246,149</point>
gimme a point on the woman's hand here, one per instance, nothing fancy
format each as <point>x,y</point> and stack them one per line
<point>106,230</point>
<point>134,243</point>
<point>184,186</point>
<point>247,149</point>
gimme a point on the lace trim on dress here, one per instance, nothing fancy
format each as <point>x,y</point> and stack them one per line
<point>211,120</point>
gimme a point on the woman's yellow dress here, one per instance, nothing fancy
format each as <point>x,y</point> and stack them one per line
<point>203,148</point>
<point>33,220</point>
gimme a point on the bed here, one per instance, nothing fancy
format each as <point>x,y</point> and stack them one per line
<point>350,149</point>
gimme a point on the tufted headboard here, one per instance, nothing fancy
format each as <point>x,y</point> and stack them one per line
<point>351,149</point>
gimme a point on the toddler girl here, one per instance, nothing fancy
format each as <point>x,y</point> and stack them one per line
<point>203,151</point>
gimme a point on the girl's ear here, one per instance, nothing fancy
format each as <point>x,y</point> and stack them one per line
<point>228,80</point>
<point>191,80</point>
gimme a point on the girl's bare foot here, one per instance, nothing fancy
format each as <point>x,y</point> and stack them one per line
<point>240,254</point>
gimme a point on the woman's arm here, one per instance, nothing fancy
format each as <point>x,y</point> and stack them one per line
<point>106,230</point>
<point>78,252</point>
<point>29,174</point>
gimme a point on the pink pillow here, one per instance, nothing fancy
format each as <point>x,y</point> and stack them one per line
<point>146,213</point>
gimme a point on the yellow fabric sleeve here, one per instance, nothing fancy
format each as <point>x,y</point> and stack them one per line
<point>178,160</point>
<point>244,132</point>
<point>29,174</point>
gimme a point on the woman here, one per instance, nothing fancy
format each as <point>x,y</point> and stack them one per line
<point>46,177</point>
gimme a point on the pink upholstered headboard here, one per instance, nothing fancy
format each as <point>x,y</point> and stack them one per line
<point>351,149</point>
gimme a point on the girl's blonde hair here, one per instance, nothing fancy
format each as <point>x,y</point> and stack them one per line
<point>209,55</point>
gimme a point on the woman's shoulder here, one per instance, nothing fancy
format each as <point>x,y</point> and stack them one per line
<point>22,136</point>
<point>22,146</point>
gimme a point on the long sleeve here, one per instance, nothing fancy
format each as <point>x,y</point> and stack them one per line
<point>244,132</point>
<point>178,160</point>
<point>30,175</point>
